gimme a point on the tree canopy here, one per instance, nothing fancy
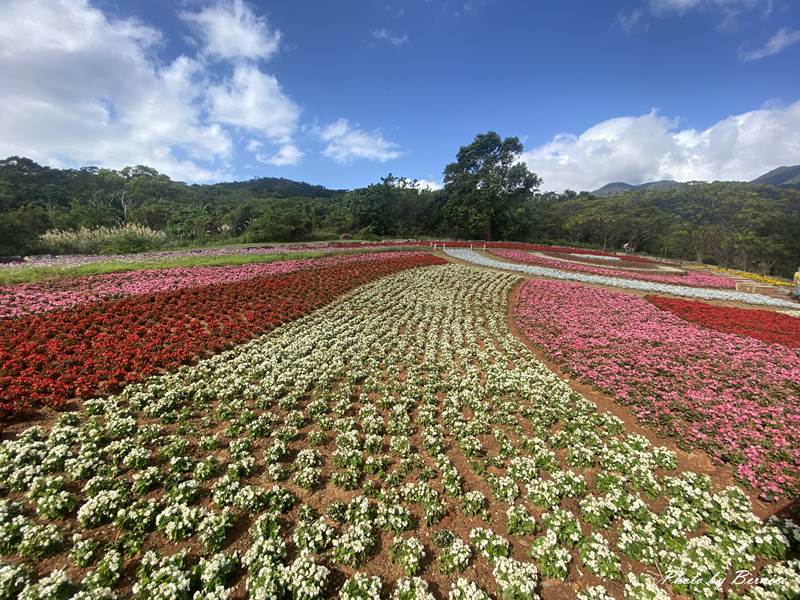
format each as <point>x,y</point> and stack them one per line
<point>488,194</point>
<point>487,188</point>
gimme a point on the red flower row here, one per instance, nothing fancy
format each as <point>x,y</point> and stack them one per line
<point>94,348</point>
<point>761,325</point>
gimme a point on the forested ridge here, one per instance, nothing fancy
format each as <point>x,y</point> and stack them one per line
<point>488,194</point>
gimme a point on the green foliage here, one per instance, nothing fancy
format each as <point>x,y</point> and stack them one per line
<point>739,225</point>
<point>488,194</point>
<point>18,233</point>
<point>395,207</point>
<point>488,189</point>
<point>280,224</point>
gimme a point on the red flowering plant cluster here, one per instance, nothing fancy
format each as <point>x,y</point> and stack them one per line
<point>733,396</point>
<point>19,299</point>
<point>764,325</point>
<point>95,347</point>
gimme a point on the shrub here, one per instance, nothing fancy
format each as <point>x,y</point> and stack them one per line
<point>102,240</point>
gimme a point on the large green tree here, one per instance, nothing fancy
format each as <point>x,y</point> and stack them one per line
<point>488,188</point>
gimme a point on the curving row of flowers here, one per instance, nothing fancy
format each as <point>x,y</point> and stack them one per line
<point>161,255</point>
<point>733,396</point>
<point>765,279</point>
<point>692,278</point>
<point>645,286</point>
<point>585,252</point>
<point>39,297</point>
<point>765,325</point>
<point>92,348</point>
<point>76,260</point>
<point>400,442</point>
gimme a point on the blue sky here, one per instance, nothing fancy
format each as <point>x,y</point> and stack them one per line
<point>341,93</point>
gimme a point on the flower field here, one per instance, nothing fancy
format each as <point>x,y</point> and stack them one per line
<point>472,257</point>
<point>83,259</point>
<point>692,279</point>
<point>765,279</point>
<point>39,297</point>
<point>762,325</point>
<point>370,426</point>
<point>93,347</point>
<point>567,250</point>
<point>733,396</point>
<point>260,250</point>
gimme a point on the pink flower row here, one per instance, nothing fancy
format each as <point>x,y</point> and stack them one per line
<point>39,297</point>
<point>692,278</point>
<point>735,397</point>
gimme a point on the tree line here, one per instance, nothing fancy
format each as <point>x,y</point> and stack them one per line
<point>488,194</point>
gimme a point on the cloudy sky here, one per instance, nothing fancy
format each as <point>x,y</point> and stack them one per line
<point>341,93</point>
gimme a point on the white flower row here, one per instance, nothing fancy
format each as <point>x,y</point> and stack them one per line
<point>633,284</point>
<point>596,256</point>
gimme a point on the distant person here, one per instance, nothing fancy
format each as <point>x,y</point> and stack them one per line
<point>797,282</point>
<point>626,248</point>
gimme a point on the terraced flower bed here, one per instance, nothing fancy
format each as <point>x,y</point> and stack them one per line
<point>84,259</point>
<point>692,278</point>
<point>94,347</point>
<point>520,246</point>
<point>397,441</point>
<point>475,258</point>
<point>39,297</point>
<point>733,396</point>
<point>764,325</point>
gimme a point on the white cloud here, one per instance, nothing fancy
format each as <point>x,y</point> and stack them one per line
<point>632,20</point>
<point>683,6</point>
<point>423,184</point>
<point>287,155</point>
<point>79,87</point>
<point>230,30</point>
<point>346,143</point>
<point>730,11</point>
<point>651,147</point>
<point>394,40</point>
<point>253,145</point>
<point>254,100</point>
<point>775,45</point>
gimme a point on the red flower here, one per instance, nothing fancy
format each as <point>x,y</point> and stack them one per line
<point>761,325</point>
<point>93,348</point>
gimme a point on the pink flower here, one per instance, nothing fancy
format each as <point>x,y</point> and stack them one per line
<point>733,396</point>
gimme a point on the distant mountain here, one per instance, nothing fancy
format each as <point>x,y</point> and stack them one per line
<point>276,186</point>
<point>781,176</point>
<point>611,189</point>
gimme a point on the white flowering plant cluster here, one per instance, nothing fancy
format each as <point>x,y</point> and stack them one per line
<point>300,464</point>
<point>408,553</point>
